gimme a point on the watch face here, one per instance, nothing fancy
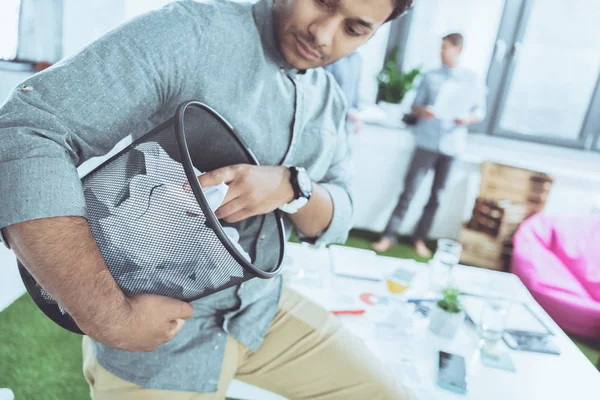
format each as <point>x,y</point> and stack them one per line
<point>304,182</point>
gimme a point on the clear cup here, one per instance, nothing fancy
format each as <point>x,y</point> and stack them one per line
<point>494,316</point>
<point>446,256</point>
<point>491,326</point>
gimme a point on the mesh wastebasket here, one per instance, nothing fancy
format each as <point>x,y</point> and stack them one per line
<point>154,223</point>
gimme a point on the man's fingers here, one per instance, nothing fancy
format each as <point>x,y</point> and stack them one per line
<point>218,176</point>
<point>233,193</point>
<point>176,326</point>
<point>177,309</point>
<point>230,208</point>
<point>239,216</point>
<point>186,310</point>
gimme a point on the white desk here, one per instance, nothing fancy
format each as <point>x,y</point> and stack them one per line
<point>538,376</point>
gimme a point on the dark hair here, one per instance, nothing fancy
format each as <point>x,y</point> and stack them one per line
<point>400,7</point>
<point>455,38</point>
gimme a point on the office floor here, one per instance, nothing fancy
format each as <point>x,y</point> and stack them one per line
<point>39,360</point>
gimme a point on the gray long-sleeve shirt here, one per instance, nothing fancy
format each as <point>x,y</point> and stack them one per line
<point>131,80</point>
<point>439,135</point>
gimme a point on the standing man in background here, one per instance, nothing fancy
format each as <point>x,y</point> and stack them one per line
<point>346,72</point>
<point>448,100</point>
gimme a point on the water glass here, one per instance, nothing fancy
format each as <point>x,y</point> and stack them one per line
<point>494,314</point>
<point>446,256</point>
<point>492,324</point>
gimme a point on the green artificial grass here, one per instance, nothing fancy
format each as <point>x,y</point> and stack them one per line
<point>363,239</point>
<point>39,360</point>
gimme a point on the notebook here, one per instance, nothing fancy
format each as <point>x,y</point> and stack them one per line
<point>355,263</point>
<point>520,316</point>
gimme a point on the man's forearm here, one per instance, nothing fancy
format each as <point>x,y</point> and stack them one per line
<point>417,110</point>
<point>316,216</point>
<point>473,119</point>
<point>63,257</point>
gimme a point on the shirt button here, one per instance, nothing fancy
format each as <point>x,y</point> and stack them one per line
<point>262,237</point>
<point>26,89</point>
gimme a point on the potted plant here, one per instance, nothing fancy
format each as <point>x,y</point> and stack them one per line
<point>393,85</point>
<point>447,316</point>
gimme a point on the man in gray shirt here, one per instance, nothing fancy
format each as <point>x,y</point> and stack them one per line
<point>257,65</point>
<point>346,72</point>
<point>439,138</point>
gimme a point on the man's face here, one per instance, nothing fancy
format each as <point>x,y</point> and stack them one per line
<point>450,53</point>
<point>314,33</point>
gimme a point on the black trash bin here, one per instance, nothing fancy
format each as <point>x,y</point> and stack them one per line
<point>153,222</point>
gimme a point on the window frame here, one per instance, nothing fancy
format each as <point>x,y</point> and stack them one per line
<point>40,21</point>
<point>512,31</point>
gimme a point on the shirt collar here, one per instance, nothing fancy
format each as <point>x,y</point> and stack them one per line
<point>450,72</point>
<point>263,18</point>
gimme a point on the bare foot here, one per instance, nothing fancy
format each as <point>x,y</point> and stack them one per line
<point>422,250</point>
<point>382,245</point>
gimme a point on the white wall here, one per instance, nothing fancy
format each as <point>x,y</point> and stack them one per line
<point>136,7</point>
<point>11,286</point>
<point>477,20</point>
<point>372,56</point>
<point>8,80</point>
<point>81,27</point>
<point>385,154</point>
<point>83,24</point>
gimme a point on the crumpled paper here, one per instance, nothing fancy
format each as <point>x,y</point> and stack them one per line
<point>156,240</point>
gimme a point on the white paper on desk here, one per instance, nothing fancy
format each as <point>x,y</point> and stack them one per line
<point>454,100</point>
<point>355,263</point>
<point>406,372</point>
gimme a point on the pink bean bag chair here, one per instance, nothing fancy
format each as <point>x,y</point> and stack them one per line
<point>558,259</point>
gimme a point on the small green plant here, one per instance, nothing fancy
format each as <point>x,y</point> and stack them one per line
<point>449,302</point>
<point>393,84</point>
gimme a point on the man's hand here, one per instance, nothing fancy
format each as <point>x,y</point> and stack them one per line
<point>148,322</point>
<point>253,190</point>
<point>62,255</point>
<point>425,112</point>
<point>466,121</point>
<point>356,122</point>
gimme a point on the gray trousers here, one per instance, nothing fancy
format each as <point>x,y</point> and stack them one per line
<point>422,161</point>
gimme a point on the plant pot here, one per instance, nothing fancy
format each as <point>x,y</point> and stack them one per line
<point>444,323</point>
<point>394,111</point>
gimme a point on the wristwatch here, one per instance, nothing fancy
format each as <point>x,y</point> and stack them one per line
<point>302,185</point>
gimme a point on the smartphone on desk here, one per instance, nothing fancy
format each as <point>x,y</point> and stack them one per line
<point>452,373</point>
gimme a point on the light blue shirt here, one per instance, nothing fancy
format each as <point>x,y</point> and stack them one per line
<point>218,52</point>
<point>346,72</point>
<point>444,136</point>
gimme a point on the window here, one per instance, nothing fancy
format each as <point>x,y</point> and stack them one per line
<point>9,29</point>
<point>31,30</point>
<point>477,20</point>
<point>556,70</point>
<point>540,59</point>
